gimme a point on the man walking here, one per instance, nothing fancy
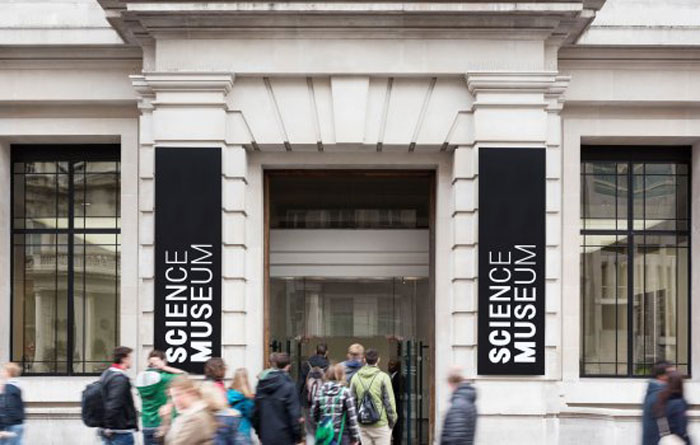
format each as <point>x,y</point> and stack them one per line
<point>277,414</point>
<point>11,405</point>
<point>460,421</point>
<point>120,420</point>
<point>650,428</point>
<point>355,361</point>
<point>376,405</point>
<point>152,385</point>
<point>310,382</point>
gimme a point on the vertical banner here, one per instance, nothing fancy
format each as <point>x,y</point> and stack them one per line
<point>511,261</point>
<point>188,255</point>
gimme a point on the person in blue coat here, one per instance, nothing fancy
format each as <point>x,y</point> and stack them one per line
<point>672,408</point>
<point>11,406</point>
<point>240,398</point>
<point>650,428</point>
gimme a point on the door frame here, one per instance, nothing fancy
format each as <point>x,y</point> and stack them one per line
<point>360,172</point>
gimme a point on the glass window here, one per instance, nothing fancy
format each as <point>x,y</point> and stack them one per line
<point>65,261</point>
<point>634,263</point>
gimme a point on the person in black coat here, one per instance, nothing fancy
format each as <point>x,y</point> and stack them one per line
<point>460,421</point>
<point>672,408</point>
<point>319,360</point>
<point>397,385</point>
<point>11,403</point>
<point>277,413</point>
<point>319,363</point>
<point>120,421</point>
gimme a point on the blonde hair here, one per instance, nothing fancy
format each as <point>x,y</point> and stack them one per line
<point>240,382</point>
<point>208,392</point>
<point>12,369</point>
<point>336,373</point>
<point>356,350</point>
<point>184,384</point>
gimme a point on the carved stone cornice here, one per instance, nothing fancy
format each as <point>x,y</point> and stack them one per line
<point>510,81</point>
<point>139,21</point>
<point>198,89</point>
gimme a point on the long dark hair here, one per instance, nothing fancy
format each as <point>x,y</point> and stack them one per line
<point>673,389</point>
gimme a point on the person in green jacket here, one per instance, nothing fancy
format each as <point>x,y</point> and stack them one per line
<point>378,383</point>
<point>152,385</point>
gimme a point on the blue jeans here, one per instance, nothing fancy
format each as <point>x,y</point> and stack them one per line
<point>119,439</point>
<point>149,436</point>
<point>18,430</point>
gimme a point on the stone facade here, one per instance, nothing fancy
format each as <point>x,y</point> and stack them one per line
<point>375,85</point>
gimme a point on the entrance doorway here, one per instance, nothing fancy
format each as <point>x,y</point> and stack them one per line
<point>349,261</point>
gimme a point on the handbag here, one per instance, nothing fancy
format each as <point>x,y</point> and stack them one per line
<point>667,437</point>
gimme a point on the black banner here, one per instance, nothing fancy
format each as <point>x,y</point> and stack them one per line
<point>511,261</point>
<point>188,255</point>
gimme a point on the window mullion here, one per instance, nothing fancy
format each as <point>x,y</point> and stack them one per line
<point>71,268</point>
<point>630,268</point>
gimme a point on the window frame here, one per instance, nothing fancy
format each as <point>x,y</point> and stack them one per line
<point>60,153</point>
<point>632,154</point>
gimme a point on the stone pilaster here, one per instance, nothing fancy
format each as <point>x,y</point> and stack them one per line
<point>190,110</point>
<point>510,109</point>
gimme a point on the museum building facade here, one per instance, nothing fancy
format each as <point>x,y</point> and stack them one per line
<point>504,186</point>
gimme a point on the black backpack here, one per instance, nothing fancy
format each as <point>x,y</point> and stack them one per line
<point>92,403</point>
<point>367,412</point>
<point>314,381</point>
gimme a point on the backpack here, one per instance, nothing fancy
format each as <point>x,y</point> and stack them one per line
<point>314,381</point>
<point>325,432</point>
<point>367,412</point>
<point>92,404</point>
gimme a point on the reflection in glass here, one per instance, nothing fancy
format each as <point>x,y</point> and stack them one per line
<point>53,254</point>
<point>354,308</point>
<point>656,303</point>
<point>654,238</point>
<point>604,285</point>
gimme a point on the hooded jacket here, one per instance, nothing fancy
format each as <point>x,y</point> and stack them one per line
<point>371,378</point>
<point>11,405</point>
<point>315,361</point>
<point>460,421</point>
<point>152,385</point>
<point>650,429</point>
<point>351,367</point>
<point>335,400</point>
<point>277,414</point>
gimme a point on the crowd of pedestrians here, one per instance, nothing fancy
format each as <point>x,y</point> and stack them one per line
<point>347,403</point>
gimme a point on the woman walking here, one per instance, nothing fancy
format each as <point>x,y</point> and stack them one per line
<point>227,419</point>
<point>195,423</point>
<point>671,408</point>
<point>240,398</point>
<point>334,408</point>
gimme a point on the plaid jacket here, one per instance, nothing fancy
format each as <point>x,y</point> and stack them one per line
<point>327,403</point>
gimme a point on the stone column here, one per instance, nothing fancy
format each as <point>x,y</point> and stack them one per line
<point>190,110</point>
